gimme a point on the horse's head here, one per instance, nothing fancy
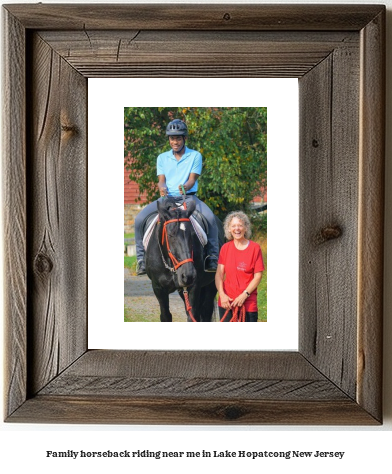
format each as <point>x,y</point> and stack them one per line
<point>176,238</point>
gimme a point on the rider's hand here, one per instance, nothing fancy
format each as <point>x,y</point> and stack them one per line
<point>182,186</point>
<point>163,191</point>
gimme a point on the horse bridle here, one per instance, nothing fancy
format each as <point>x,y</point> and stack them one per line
<point>175,261</point>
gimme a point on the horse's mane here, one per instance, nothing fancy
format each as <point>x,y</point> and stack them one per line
<point>172,201</point>
<point>172,204</point>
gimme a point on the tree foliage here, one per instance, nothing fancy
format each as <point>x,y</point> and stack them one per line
<point>232,141</point>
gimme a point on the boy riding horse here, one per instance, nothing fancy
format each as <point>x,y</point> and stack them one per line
<point>178,170</point>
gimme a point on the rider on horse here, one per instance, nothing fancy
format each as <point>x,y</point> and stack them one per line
<point>178,169</point>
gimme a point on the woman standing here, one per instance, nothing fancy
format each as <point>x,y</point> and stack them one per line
<point>240,268</point>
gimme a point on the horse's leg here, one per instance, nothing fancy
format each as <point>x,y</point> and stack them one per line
<point>207,298</point>
<point>163,300</point>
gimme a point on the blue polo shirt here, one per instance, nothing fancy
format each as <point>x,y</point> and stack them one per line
<point>177,172</point>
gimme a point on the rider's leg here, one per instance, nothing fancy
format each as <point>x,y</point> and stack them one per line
<point>140,218</point>
<point>213,239</point>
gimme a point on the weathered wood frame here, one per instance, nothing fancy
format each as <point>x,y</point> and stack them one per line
<point>337,52</point>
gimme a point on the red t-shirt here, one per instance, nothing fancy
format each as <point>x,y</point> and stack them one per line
<point>240,267</point>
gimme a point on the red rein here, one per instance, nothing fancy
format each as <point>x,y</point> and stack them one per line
<point>175,262</point>
<point>237,318</point>
<point>188,306</point>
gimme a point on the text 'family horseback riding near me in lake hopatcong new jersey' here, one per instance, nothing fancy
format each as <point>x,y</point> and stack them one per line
<point>195,454</point>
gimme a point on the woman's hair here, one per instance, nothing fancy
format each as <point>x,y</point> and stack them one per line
<point>242,217</point>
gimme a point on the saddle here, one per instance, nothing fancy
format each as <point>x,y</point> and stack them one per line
<point>198,221</point>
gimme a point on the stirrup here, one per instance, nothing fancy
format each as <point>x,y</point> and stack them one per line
<point>212,266</point>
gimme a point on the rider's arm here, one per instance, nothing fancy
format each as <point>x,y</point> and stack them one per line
<point>190,183</point>
<point>162,185</point>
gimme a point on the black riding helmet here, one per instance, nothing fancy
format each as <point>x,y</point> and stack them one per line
<point>177,127</point>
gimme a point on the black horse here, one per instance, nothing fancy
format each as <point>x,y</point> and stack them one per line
<point>175,261</point>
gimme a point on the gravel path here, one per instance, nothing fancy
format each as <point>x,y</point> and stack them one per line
<point>141,303</point>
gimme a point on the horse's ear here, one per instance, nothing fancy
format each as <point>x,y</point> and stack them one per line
<point>190,207</point>
<point>163,210</point>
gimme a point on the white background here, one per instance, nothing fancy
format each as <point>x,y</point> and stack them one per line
<point>107,329</point>
<point>24,446</point>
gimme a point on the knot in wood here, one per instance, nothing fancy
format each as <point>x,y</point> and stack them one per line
<point>69,129</point>
<point>315,143</point>
<point>328,233</point>
<point>227,16</point>
<point>43,264</point>
<point>232,413</point>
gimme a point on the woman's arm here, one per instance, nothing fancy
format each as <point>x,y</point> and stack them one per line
<point>240,300</point>
<point>219,279</point>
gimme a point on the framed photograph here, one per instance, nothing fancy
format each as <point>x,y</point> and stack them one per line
<point>337,53</point>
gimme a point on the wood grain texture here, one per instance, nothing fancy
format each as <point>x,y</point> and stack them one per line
<point>207,364</point>
<point>215,53</point>
<point>335,378</point>
<point>57,197</point>
<point>170,411</point>
<point>329,137</point>
<point>192,387</point>
<point>14,207</point>
<point>188,387</point>
<point>193,17</point>
<point>208,375</point>
<point>371,215</point>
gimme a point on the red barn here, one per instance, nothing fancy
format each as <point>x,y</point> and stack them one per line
<point>131,191</point>
<point>132,204</point>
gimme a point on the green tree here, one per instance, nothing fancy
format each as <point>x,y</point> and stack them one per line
<point>232,141</point>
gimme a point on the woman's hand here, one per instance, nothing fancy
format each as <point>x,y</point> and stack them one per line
<point>226,301</point>
<point>240,300</point>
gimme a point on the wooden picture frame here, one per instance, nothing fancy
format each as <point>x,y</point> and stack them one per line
<point>338,54</point>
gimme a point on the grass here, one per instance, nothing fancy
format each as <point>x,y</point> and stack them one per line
<point>262,289</point>
<point>130,262</point>
<point>126,314</point>
<point>132,316</point>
